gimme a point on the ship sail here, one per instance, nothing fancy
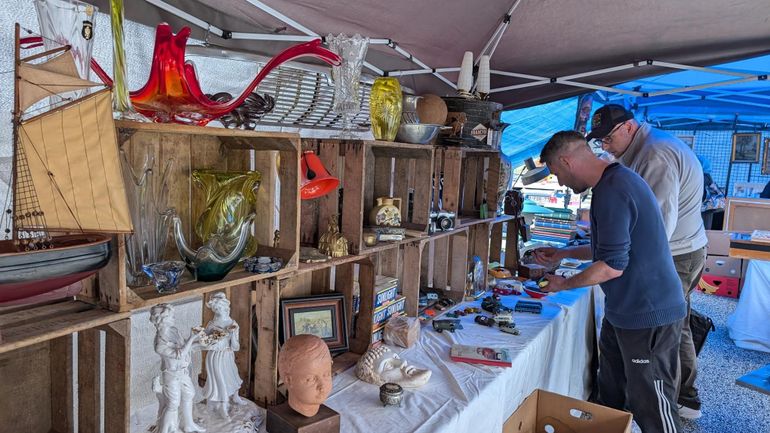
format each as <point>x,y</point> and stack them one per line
<point>73,165</point>
<point>52,77</point>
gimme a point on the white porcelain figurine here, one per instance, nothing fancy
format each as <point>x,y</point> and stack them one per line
<point>222,380</point>
<point>381,365</point>
<point>176,389</point>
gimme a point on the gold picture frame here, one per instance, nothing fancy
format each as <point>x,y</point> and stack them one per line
<point>745,147</point>
<point>765,158</point>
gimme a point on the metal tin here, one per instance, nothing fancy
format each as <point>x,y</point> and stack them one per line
<point>391,394</point>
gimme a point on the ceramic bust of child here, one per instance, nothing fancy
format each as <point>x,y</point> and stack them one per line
<point>305,365</point>
<point>381,365</point>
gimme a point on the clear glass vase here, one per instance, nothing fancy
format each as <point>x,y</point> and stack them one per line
<point>148,203</point>
<point>347,77</point>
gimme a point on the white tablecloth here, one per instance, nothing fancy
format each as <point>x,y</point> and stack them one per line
<point>553,352</point>
<point>749,325</point>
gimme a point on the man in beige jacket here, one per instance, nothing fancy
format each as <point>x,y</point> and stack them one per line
<point>675,176</point>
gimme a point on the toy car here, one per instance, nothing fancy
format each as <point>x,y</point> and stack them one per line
<point>446,324</point>
<point>504,316</point>
<point>529,307</point>
<point>431,295</point>
<point>484,320</point>
<point>510,329</point>
<point>493,305</point>
<point>472,310</point>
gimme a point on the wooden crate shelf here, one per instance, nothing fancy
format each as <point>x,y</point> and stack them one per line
<point>470,177</point>
<point>36,361</point>
<point>274,155</point>
<point>367,170</point>
<point>25,326</point>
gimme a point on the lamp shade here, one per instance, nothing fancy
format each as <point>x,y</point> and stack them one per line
<point>316,180</point>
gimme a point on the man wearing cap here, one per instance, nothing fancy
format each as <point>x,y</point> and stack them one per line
<point>674,174</point>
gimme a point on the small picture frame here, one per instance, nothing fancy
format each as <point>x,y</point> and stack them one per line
<point>745,147</point>
<point>689,140</point>
<point>323,316</point>
<point>766,158</point>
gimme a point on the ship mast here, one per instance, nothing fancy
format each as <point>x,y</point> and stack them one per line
<point>16,120</point>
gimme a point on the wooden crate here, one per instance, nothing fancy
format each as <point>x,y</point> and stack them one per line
<point>470,177</point>
<point>404,171</point>
<point>367,170</point>
<point>274,155</point>
<point>439,262</point>
<point>36,364</point>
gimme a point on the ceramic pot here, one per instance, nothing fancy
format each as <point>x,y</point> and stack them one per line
<point>385,103</point>
<point>391,394</point>
<point>387,212</point>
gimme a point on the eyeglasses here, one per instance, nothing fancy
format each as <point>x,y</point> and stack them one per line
<point>608,138</point>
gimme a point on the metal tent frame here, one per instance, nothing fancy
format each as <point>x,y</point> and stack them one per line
<point>640,99</point>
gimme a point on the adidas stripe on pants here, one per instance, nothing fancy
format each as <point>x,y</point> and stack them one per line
<point>639,372</point>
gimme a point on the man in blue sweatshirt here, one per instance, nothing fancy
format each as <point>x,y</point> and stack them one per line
<point>639,342</point>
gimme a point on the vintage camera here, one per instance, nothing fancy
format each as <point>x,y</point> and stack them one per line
<point>441,221</point>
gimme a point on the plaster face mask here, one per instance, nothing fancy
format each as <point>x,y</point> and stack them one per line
<point>381,365</point>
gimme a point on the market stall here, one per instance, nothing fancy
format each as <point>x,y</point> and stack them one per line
<point>200,195</point>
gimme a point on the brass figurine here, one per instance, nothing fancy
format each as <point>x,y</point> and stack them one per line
<point>332,242</point>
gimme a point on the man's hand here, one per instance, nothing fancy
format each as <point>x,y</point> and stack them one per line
<point>547,256</point>
<point>556,283</point>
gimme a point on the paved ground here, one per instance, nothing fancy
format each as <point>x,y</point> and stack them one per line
<point>727,407</point>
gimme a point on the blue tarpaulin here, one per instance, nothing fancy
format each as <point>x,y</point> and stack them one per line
<point>738,106</point>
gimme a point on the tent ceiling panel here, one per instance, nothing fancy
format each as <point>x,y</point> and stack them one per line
<point>550,38</point>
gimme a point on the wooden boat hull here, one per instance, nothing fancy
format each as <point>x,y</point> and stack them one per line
<point>27,274</point>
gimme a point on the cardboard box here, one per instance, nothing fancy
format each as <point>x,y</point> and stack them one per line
<point>720,285</point>
<point>565,414</point>
<point>719,242</point>
<point>723,266</point>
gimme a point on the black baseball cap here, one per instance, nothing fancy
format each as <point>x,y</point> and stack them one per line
<point>606,118</point>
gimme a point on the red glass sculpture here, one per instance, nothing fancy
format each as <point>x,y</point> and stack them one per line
<point>172,93</point>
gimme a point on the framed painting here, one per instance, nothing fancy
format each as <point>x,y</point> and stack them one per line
<point>322,316</point>
<point>745,147</point>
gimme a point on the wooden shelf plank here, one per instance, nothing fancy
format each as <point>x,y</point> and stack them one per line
<point>149,296</point>
<point>470,221</point>
<point>234,138</point>
<point>38,324</point>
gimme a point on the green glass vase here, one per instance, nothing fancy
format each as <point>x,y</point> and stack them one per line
<point>230,197</point>
<point>385,108</point>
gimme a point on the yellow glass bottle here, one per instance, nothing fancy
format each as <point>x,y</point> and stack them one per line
<point>385,108</point>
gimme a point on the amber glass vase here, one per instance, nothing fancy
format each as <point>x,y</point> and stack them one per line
<point>385,108</point>
<point>230,197</point>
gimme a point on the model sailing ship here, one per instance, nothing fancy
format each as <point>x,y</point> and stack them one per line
<point>67,190</point>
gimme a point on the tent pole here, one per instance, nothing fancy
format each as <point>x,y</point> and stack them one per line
<point>298,26</point>
<point>185,16</point>
<point>498,34</point>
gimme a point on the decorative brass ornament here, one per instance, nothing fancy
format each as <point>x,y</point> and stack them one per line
<point>332,242</point>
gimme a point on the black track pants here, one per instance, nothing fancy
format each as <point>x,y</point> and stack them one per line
<point>639,372</point>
